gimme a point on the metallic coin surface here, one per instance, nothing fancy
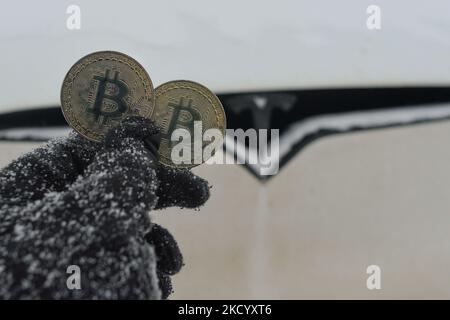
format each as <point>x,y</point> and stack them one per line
<point>188,105</point>
<point>102,89</point>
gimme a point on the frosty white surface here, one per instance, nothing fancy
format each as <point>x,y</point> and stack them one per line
<point>229,46</point>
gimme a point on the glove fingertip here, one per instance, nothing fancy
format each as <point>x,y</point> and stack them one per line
<point>197,192</point>
<point>182,188</point>
<point>170,259</point>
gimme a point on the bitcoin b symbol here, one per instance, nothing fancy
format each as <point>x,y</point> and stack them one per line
<point>182,117</point>
<point>109,101</point>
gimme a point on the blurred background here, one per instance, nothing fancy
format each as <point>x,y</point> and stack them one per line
<point>360,91</point>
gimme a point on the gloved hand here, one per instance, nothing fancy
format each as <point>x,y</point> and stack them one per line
<point>77,202</point>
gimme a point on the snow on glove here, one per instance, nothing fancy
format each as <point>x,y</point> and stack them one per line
<point>77,202</point>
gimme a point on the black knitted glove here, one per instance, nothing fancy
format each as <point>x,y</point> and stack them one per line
<point>77,202</point>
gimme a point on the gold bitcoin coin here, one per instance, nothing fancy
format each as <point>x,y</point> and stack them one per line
<point>187,105</point>
<point>102,89</point>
